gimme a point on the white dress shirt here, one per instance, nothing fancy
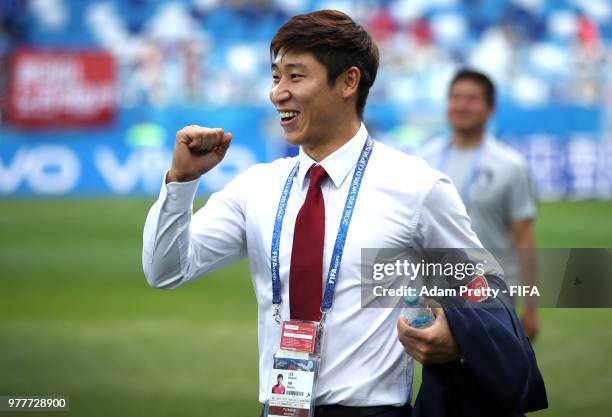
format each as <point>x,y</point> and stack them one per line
<point>402,203</point>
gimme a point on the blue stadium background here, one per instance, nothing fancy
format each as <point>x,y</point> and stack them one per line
<point>206,62</point>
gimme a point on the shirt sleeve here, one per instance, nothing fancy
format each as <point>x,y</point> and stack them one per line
<point>443,220</point>
<point>444,224</point>
<point>523,201</point>
<point>179,247</point>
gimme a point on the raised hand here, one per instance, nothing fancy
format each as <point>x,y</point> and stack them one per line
<point>197,150</point>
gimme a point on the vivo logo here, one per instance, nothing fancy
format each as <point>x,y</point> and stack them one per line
<point>45,170</point>
<point>61,170</point>
<point>142,168</point>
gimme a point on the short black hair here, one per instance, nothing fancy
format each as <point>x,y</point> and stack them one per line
<point>279,376</point>
<point>337,42</point>
<point>479,78</point>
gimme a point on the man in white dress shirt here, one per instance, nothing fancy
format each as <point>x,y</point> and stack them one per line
<point>323,65</point>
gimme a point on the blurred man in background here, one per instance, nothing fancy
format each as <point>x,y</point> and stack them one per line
<point>493,181</point>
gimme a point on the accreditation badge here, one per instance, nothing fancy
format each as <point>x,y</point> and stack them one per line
<point>295,368</point>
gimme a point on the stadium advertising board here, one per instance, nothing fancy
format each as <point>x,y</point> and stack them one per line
<point>55,88</point>
<point>130,156</point>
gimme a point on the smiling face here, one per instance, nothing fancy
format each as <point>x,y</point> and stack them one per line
<point>468,109</point>
<point>310,110</point>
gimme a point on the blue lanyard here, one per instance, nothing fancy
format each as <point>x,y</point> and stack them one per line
<point>472,169</point>
<point>347,214</point>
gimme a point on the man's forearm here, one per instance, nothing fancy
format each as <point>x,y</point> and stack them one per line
<point>525,246</point>
<point>529,271</point>
<point>166,236</point>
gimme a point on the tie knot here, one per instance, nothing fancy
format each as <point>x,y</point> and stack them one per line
<point>317,175</point>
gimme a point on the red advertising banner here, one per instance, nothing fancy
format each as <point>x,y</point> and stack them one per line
<point>61,88</point>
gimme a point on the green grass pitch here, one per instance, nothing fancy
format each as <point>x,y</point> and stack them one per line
<point>77,319</point>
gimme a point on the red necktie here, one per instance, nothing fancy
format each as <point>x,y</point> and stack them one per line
<point>306,273</point>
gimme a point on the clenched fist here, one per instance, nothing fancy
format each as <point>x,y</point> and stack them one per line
<point>197,150</point>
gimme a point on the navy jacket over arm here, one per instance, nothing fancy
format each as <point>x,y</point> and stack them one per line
<point>498,375</point>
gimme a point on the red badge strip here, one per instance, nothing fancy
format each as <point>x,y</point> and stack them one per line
<point>287,412</point>
<point>298,336</point>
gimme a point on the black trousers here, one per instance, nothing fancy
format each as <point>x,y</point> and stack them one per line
<point>343,411</point>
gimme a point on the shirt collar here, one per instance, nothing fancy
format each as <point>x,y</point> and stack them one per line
<point>487,138</point>
<point>339,163</point>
